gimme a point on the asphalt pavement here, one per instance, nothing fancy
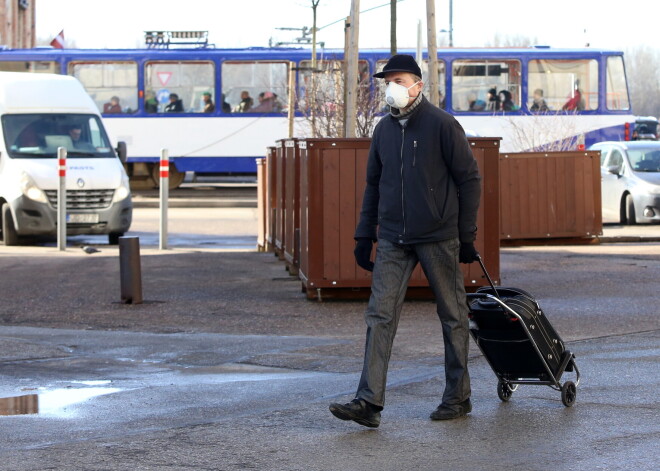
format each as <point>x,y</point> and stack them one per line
<point>227,366</point>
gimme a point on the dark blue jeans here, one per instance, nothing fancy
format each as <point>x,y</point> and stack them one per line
<point>393,267</point>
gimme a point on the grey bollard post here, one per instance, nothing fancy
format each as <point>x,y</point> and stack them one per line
<point>130,271</point>
<point>61,199</point>
<point>164,195</point>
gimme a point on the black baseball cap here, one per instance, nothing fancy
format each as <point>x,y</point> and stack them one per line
<point>400,63</point>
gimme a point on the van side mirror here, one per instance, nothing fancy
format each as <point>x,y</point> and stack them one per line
<point>121,151</point>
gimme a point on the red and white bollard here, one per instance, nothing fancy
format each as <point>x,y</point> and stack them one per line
<point>164,194</point>
<point>61,199</point>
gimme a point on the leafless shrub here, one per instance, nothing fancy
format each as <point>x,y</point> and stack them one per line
<point>545,132</point>
<point>322,101</point>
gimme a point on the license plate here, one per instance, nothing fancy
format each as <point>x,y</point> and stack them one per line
<point>89,218</point>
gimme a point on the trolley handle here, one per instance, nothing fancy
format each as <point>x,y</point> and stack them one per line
<point>490,281</point>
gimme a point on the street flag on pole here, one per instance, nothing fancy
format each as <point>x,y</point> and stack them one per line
<point>58,42</point>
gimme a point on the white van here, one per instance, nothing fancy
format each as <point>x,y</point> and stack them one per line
<point>38,114</point>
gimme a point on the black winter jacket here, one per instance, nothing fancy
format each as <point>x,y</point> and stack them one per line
<point>423,184</point>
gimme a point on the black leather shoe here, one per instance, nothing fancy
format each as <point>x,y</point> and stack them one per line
<point>358,410</point>
<point>448,412</point>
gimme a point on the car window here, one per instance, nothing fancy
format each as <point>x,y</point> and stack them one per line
<point>644,160</point>
<point>615,158</point>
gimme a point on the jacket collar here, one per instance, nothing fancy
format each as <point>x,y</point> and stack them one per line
<point>399,114</point>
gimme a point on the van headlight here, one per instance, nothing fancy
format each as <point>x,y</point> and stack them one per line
<point>121,193</point>
<point>30,189</point>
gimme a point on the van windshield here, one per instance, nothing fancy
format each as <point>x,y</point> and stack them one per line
<point>30,136</point>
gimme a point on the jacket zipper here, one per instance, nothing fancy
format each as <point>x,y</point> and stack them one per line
<point>403,208</point>
<point>414,152</point>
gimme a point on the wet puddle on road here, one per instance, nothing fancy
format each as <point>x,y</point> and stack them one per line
<point>53,403</point>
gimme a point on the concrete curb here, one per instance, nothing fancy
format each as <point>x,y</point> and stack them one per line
<point>197,203</point>
<point>623,239</point>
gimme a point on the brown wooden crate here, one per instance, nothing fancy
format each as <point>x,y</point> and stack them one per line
<point>269,199</point>
<point>280,202</point>
<point>332,181</point>
<point>291,207</point>
<point>550,195</point>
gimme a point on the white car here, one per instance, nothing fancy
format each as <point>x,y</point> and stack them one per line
<point>630,181</point>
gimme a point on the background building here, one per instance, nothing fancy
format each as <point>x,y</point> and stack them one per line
<point>17,25</point>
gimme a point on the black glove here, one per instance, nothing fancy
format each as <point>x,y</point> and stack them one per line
<point>362,253</point>
<point>467,253</point>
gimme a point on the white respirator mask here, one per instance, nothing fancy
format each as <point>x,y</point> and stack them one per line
<point>397,95</point>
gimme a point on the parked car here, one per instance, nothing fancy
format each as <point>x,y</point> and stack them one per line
<point>630,181</point>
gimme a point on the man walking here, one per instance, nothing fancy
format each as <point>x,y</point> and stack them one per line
<point>423,190</point>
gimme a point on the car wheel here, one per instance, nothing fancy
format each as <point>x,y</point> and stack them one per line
<point>9,234</point>
<point>631,219</point>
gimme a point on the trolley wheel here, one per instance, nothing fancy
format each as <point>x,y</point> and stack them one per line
<point>568,393</point>
<point>504,391</point>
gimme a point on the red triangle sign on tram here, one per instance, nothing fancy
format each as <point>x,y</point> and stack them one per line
<point>164,77</point>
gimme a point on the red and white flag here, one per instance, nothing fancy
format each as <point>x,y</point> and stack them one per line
<point>58,42</point>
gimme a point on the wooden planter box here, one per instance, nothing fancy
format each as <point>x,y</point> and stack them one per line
<point>332,181</point>
<point>278,195</point>
<point>550,195</point>
<point>262,207</point>
<point>269,199</point>
<point>291,211</point>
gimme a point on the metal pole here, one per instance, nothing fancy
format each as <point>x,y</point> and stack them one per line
<point>164,194</point>
<point>451,23</point>
<point>351,78</point>
<point>61,199</point>
<point>418,56</point>
<point>130,270</point>
<point>434,96</point>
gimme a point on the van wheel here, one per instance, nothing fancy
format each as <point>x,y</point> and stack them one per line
<point>9,234</point>
<point>113,237</point>
<point>631,219</point>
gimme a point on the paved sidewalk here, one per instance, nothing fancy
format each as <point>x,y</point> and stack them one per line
<point>226,366</point>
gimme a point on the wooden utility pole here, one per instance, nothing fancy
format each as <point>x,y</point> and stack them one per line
<point>351,78</point>
<point>433,52</point>
<point>291,99</point>
<point>393,27</point>
<point>315,4</point>
<point>313,82</point>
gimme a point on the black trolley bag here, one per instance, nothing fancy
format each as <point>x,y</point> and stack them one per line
<point>519,342</point>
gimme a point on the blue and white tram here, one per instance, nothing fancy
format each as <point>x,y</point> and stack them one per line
<point>584,94</point>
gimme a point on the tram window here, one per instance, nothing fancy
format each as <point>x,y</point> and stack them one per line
<point>568,85</point>
<point>425,74</point>
<point>328,86</point>
<point>45,67</point>
<point>617,92</point>
<point>188,80</point>
<point>112,85</point>
<point>255,86</point>
<point>473,82</point>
